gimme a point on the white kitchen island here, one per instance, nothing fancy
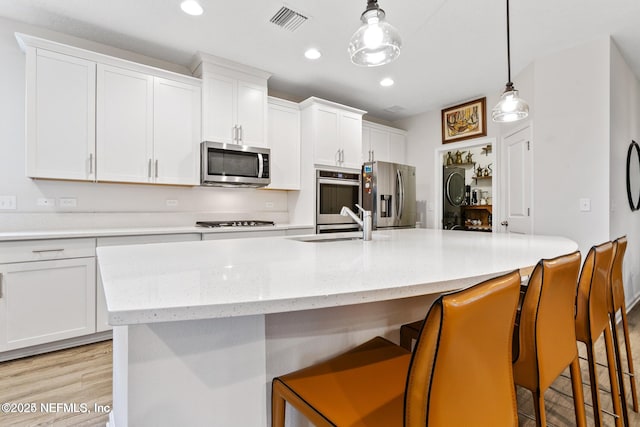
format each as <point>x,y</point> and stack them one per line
<point>202,327</point>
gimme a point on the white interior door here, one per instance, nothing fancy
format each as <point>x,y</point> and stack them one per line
<point>518,195</point>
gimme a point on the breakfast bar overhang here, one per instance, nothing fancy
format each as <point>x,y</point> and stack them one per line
<point>200,328</point>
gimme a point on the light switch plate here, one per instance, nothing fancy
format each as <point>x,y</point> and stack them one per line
<point>7,202</point>
<point>585,205</point>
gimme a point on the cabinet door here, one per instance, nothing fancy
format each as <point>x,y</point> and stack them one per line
<point>219,106</point>
<point>350,134</point>
<point>176,129</point>
<point>366,144</point>
<point>284,142</point>
<point>60,132</point>
<point>327,144</point>
<point>124,125</point>
<point>379,145</point>
<point>397,148</point>
<point>252,114</point>
<point>46,301</point>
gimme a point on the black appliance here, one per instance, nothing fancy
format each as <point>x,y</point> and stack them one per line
<point>241,223</point>
<point>454,193</point>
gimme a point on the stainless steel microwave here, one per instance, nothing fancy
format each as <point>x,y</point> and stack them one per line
<point>233,165</point>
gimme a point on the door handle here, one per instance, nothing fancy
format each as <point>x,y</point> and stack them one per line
<point>505,223</point>
<point>234,134</point>
<point>241,134</point>
<point>149,168</point>
<point>156,168</point>
<point>90,163</point>
<point>1,283</point>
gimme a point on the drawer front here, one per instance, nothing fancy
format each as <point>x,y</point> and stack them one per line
<point>41,250</point>
<point>242,234</point>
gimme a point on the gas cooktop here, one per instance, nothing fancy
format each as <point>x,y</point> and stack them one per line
<point>247,223</point>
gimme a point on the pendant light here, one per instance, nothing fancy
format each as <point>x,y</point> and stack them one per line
<point>511,107</point>
<point>376,42</point>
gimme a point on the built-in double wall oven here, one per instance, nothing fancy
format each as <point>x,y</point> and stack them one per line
<point>334,190</point>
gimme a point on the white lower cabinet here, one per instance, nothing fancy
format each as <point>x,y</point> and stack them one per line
<point>46,300</point>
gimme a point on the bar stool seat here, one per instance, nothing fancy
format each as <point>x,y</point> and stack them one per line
<point>459,374</point>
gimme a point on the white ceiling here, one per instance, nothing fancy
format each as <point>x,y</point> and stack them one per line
<point>453,50</point>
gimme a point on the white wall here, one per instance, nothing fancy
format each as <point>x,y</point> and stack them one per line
<point>571,143</point>
<point>424,136</point>
<point>625,126</point>
<point>95,197</point>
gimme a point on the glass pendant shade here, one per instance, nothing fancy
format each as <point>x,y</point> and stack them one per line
<point>510,108</point>
<point>376,42</point>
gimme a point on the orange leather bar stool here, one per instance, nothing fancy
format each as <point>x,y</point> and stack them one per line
<point>410,331</point>
<point>617,303</point>
<point>460,373</point>
<point>546,336</point>
<point>592,319</point>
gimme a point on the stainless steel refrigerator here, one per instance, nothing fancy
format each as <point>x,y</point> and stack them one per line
<point>389,192</point>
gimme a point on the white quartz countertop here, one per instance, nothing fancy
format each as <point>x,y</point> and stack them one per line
<point>133,231</point>
<point>226,278</point>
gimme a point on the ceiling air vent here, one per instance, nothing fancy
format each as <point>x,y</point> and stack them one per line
<point>394,109</point>
<point>288,19</point>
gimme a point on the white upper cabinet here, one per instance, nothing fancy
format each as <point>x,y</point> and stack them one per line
<point>334,131</point>
<point>284,142</point>
<point>176,130</point>
<point>60,132</point>
<point>124,125</point>
<point>148,128</point>
<point>383,143</point>
<point>234,101</point>
<point>99,118</point>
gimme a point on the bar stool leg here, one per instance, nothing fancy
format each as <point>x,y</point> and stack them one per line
<point>615,391</point>
<point>627,344</point>
<point>277,406</point>
<point>616,348</point>
<point>578,396</point>
<point>593,380</point>
<point>538,404</point>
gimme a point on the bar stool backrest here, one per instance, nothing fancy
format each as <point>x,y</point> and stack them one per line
<point>547,334</point>
<point>592,304</point>
<point>460,372</point>
<point>617,291</point>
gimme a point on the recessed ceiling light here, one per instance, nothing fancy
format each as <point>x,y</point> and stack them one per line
<point>387,81</point>
<point>312,53</point>
<point>191,7</point>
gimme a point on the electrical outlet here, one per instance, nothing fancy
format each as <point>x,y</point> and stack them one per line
<point>67,202</point>
<point>43,201</point>
<point>585,205</point>
<point>269,205</point>
<point>7,202</point>
<point>172,203</point>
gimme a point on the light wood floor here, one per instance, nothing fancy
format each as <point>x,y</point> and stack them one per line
<point>82,375</point>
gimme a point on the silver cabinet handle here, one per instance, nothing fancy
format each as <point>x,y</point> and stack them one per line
<point>342,155</point>
<point>156,168</point>
<point>241,133</point>
<point>90,163</point>
<point>337,156</point>
<point>149,167</point>
<point>373,155</point>
<point>38,251</point>
<point>1,283</point>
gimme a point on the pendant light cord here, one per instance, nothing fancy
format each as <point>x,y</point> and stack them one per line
<point>508,48</point>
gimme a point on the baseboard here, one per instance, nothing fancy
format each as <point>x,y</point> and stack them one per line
<point>55,346</point>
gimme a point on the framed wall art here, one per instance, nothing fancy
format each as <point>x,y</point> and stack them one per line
<point>464,121</point>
